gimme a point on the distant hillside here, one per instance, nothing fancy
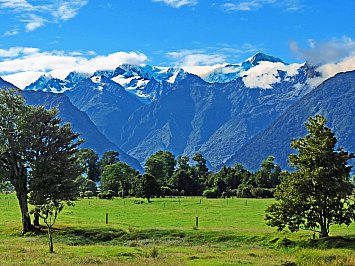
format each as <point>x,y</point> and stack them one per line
<point>334,99</point>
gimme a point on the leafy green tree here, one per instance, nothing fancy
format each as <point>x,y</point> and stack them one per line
<point>49,211</point>
<point>54,165</point>
<point>15,136</point>
<point>87,185</point>
<point>186,182</point>
<point>29,137</point>
<point>201,167</point>
<point>318,193</point>
<point>148,187</point>
<point>109,158</point>
<point>88,158</point>
<point>161,165</point>
<point>183,163</point>
<point>118,177</point>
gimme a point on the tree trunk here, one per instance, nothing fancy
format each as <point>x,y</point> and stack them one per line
<point>36,219</point>
<point>324,229</point>
<point>50,240</point>
<point>26,220</point>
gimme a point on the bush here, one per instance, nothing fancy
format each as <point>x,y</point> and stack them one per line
<point>285,243</point>
<point>232,192</point>
<point>224,195</point>
<point>244,191</point>
<point>166,191</point>
<point>260,192</point>
<point>88,194</point>
<point>108,194</point>
<point>211,193</point>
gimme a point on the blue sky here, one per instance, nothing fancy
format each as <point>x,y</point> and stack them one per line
<point>91,33</point>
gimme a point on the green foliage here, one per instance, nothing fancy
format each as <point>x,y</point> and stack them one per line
<point>211,193</point>
<point>245,191</point>
<point>54,168</point>
<point>109,158</point>
<point>148,187</point>
<point>87,185</point>
<point>88,159</point>
<point>49,211</point>
<point>107,194</point>
<point>88,194</point>
<point>37,154</point>
<point>201,167</point>
<point>318,193</point>
<point>118,177</point>
<point>161,165</point>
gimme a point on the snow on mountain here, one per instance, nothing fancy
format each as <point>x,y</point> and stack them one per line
<point>149,83</point>
<point>135,79</point>
<point>259,71</point>
<point>266,73</point>
<point>48,83</point>
<point>75,77</point>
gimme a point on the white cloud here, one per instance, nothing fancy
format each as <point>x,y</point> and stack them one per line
<point>331,51</point>
<point>178,3</point>
<point>69,9</point>
<point>37,14</point>
<point>265,74</point>
<point>22,79</point>
<point>202,71</point>
<point>331,69</point>
<point>196,58</point>
<point>15,4</point>
<point>243,6</point>
<point>31,61</point>
<point>250,5</point>
<point>34,22</point>
<point>11,32</point>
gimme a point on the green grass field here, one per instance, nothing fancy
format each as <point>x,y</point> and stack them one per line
<point>230,232</point>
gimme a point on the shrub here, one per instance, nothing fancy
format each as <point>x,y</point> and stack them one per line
<point>166,191</point>
<point>244,191</point>
<point>88,194</point>
<point>108,194</point>
<point>260,192</point>
<point>211,193</point>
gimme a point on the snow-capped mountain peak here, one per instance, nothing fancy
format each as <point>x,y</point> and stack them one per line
<point>260,57</point>
<point>149,83</point>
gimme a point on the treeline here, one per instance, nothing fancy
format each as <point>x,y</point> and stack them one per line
<point>166,176</point>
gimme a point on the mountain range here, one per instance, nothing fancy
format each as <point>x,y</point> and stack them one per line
<point>226,113</point>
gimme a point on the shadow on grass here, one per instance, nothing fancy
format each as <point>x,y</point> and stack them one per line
<point>320,243</point>
<point>92,236</point>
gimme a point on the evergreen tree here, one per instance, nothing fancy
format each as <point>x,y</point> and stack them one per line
<point>54,166</point>
<point>318,194</point>
<point>32,142</point>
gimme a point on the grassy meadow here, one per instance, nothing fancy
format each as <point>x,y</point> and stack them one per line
<point>230,232</point>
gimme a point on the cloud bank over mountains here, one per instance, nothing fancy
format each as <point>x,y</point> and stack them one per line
<point>331,57</point>
<point>23,65</point>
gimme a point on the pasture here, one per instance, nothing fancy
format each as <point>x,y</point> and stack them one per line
<point>164,232</point>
